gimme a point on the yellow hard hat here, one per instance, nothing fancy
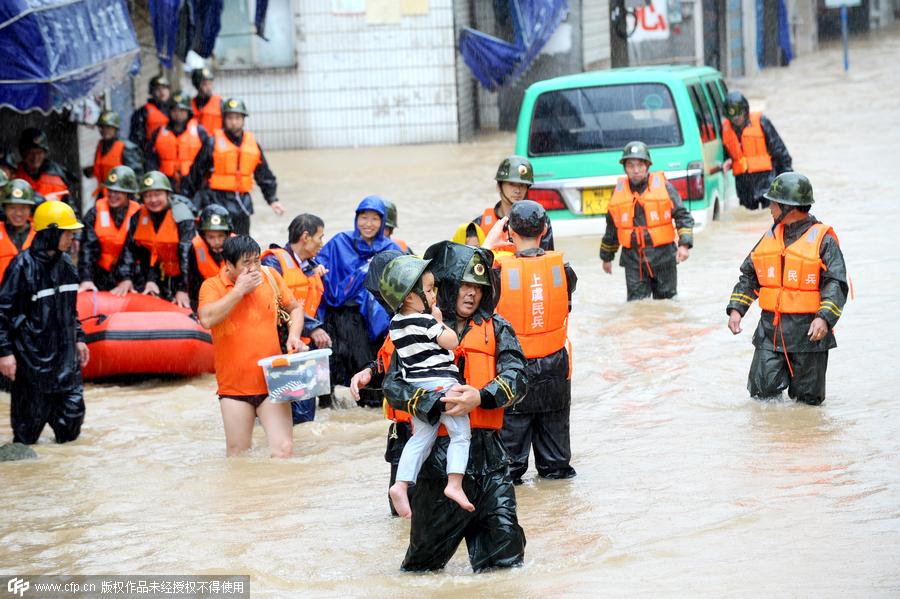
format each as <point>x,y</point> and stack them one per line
<point>54,213</point>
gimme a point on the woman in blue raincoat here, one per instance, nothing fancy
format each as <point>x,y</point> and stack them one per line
<point>353,318</point>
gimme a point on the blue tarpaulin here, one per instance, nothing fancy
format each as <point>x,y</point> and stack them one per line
<point>495,62</point>
<point>208,15</point>
<point>55,52</point>
<point>164,16</point>
<point>490,59</point>
<point>534,22</point>
<point>260,21</point>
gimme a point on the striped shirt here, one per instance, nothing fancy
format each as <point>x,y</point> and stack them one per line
<point>421,358</point>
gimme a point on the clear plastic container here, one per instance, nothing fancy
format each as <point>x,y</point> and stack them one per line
<point>295,377</point>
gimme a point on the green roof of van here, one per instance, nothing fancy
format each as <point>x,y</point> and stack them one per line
<point>648,74</point>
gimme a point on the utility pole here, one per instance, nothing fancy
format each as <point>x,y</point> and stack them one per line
<point>618,34</point>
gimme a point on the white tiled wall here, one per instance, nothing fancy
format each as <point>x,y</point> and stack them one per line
<point>356,84</point>
<point>595,34</point>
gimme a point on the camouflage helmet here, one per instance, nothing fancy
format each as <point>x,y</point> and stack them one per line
<point>736,104</point>
<point>215,218</point>
<point>790,189</point>
<point>158,81</point>
<point>527,218</point>
<point>390,214</point>
<point>155,180</point>
<point>235,105</point>
<point>373,276</point>
<point>476,271</point>
<point>18,191</point>
<point>198,76</point>
<point>515,169</point>
<point>401,277</point>
<point>121,178</point>
<point>636,149</point>
<point>109,118</point>
<point>183,101</point>
<point>33,138</point>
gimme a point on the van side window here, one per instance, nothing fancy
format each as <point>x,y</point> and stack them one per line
<point>718,108</point>
<point>701,111</point>
<point>722,87</point>
<point>698,114</point>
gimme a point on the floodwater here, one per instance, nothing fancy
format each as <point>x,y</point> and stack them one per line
<point>685,486</point>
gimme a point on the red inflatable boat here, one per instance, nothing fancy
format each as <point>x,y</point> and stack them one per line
<point>141,335</point>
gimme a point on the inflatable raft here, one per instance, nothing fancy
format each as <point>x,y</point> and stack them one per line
<point>141,335</point>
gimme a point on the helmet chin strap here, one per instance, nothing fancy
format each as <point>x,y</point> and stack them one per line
<point>785,210</point>
<point>421,293</point>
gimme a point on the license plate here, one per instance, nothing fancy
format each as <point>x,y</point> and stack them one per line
<point>595,200</point>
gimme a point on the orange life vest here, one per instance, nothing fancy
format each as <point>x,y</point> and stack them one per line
<point>479,349</point>
<point>162,243</point>
<point>657,207</point>
<point>8,249</point>
<point>306,289</point>
<point>206,264</point>
<point>789,277</point>
<point>103,163</point>
<point>233,166</point>
<point>156,118</point>
<point>383,361</point>
<point>210,116</point>
<point>112,238</point>
<point>46,184</point>
<point>177,152</point>
<point>751,146</point>
<point>534,299</point>
<point>488,219</point>
<point>401,244</point>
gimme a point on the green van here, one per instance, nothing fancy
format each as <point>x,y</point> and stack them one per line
<point>573,130</point>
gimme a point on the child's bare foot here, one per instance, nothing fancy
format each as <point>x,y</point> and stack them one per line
<point>400,499</point>
<point>459,496</point>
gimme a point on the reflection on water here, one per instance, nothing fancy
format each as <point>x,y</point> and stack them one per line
<point>684,485</point>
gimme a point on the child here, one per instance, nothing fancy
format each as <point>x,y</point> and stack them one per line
<point>424,347</point>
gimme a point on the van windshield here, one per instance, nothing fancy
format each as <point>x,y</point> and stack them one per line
<point>592,119</point>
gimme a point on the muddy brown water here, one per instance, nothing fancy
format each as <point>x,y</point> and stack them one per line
<point>685,486</point>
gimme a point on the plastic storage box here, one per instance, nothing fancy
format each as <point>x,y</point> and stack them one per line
<point>295,377</point>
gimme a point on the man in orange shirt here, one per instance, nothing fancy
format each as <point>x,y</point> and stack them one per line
<point>241,309</point>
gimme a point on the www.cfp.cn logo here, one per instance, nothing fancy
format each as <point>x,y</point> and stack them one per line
<point>17,586</point>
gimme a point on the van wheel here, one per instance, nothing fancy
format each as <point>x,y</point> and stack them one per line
<point>716,211</point>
